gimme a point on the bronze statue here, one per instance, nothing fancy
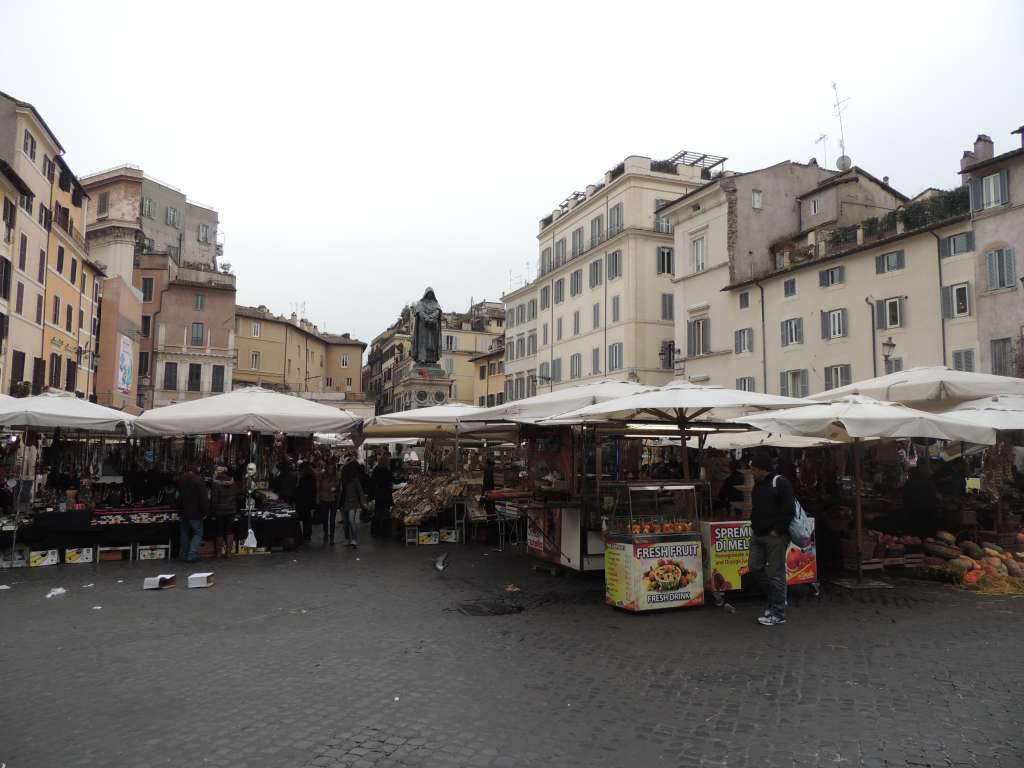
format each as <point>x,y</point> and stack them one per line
<point>426,335</point>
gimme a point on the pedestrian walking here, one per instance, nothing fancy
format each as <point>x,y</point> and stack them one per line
<point>305,499</point>
<point>194,503</point>
<point>772,510</point>
<point>326,494</point>
<point>224,506</point>
<point>383,489</point>
<point>352,497</point>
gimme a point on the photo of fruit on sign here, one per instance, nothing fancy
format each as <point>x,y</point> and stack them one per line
<point>667,575</point>
<point>798,559</point>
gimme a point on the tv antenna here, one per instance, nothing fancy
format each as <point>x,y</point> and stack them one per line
<point>823,140</point>
<point>844,162</point>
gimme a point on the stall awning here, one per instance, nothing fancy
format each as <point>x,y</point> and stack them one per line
<point>249,409</point>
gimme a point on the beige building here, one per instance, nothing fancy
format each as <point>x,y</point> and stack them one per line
<point>30,149</point>
<point>864,281</point>
<point>489,382</point>
<point>12,189</point>
<point>291,354</point>
<point>996,184</point>
<point>602,304</point>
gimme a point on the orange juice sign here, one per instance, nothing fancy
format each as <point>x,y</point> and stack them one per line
<point>728,549</point>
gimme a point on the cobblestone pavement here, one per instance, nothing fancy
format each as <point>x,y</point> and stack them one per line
<point>333,658</point>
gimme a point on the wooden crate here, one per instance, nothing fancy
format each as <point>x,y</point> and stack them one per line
<point>873,564</point>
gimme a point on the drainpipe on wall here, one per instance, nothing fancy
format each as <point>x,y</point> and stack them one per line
<point>874,355</point>
<point>764,342</point>
<point>942,317</point>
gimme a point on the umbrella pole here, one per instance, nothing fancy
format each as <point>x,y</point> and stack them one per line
<point>685,447</point>
<point>860,511</point>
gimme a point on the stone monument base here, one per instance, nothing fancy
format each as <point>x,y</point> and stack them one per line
<point>421,386</point>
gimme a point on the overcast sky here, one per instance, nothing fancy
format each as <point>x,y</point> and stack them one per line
<point>360,152</point>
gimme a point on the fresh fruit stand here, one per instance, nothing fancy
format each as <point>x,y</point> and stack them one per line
<point>652,554</point>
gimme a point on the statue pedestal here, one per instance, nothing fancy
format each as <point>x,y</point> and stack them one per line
<point>421,385</point>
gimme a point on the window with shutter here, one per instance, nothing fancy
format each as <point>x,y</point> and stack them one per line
<point>744,300</point>
<point>596,360</point>
<point>1002,357</point>
<point>792,331</point>
<point>745,384</point>
<point>667,308</point>
<point>1001,266</point>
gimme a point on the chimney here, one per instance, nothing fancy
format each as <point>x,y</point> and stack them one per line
<point>983,147</point>
<point>1020,132</point>
<point>885,180</point>
<point>967,160</point>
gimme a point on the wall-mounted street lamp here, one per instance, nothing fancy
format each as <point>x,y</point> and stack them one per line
<point>888,347</point>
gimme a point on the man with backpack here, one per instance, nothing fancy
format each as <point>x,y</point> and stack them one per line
<point>773,507</point>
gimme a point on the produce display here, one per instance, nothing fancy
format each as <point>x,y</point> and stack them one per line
<point>424,495</point>
<point>661,526</point>
<point>972,562</point>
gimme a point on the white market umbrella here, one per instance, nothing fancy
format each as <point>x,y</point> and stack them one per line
<point>856,417</point>
<point>999,412</point>
<point>728,441</point>
<point>419,422</point>
<point>676,402</point>
<point>56,409</point>
<point>532,410</point>
<point>249,409</point>
<point>928,383</point>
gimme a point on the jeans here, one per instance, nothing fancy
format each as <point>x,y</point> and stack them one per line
<point>329,513</point>
<point>768,568</point>
<point>352,516</point>
<point>191,538</point>
<point>305,515</point>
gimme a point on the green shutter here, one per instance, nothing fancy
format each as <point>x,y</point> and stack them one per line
<point>947,301</point>
<point>1004,186</point>
<point>945,248</point>
<point>783,384</point>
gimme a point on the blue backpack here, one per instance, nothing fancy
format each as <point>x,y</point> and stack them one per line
<point>800,525</point>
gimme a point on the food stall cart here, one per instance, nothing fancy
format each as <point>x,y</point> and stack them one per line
<point>652,553</point>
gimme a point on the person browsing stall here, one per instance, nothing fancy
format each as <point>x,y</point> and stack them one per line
<point>194,504</point>
<point>772,510</point>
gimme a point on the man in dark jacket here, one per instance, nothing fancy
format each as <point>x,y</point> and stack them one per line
<point>305,499</point>
<point>195,503</point>
<point>383,489</point>
<point>772,510</point>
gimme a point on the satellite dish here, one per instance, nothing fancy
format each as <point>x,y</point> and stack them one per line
<point>844,163</point>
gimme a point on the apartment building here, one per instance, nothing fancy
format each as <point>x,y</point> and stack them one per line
<point>602,304</point>
<point>464,335</point>
<point>864,281</point>
<point>163,245</point>
<point>187,349</point>
<point>489,383</point>
<point>292,354</point>
<point>12,189</point>
<point>73,288</point>
<point>30,149</point>
<point>388,350</point>
<point>996,185</point>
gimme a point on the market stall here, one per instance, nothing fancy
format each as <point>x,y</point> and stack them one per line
<point>853,418</point>
<point>65,506</point>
